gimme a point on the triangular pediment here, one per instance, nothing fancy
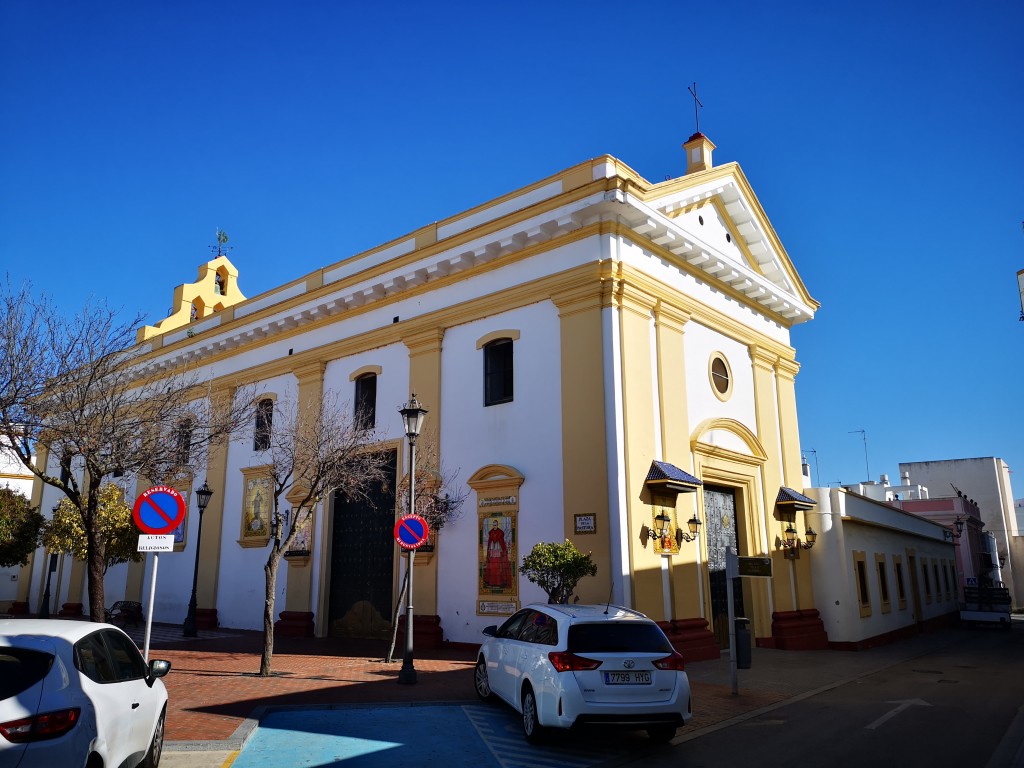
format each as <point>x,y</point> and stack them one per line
<point>729,235</point>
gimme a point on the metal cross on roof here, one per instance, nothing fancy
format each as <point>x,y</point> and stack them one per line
<point>696,103</point>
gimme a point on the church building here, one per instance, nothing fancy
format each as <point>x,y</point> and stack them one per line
<point>603,359</point>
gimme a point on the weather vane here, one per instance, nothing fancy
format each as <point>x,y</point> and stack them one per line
<point>221,248</point>
<point>696,103</point>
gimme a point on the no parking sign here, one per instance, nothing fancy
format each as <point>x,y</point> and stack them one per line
<point>411,531</point>
<point>158,510</point>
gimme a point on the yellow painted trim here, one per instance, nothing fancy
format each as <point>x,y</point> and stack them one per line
<point>726,171</point>
<point>884,588</point>
<point>326,532</point>
<point>758,455</point>
<point>859,563</point>
<point>899,576</point>
<point>493,476</point>
<point>584,453</point>
<point>201,296</point>
<point>737,239</point>
<point>742,478</point>
<point>625,178</point>
<point>487,338</point>
<point>927,580</point>
<point>376,370</point>
<point>261,472</point>
<point>515,297</point>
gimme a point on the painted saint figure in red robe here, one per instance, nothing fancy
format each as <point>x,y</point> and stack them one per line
<point>497,569</point>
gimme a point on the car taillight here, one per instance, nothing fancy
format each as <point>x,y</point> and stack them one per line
<point>41,727</point>
<point>673,662</point>
<point>563,661</point>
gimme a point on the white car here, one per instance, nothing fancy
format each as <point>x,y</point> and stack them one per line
<point>571,665</point>
<point>78,694</point>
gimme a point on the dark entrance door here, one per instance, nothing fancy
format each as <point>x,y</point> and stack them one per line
<point>362,561</point>
<point>722,532</point>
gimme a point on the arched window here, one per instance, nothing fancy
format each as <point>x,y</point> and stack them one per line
<point>498,378</point>
<point>264,425</point>
<point>366,401</point>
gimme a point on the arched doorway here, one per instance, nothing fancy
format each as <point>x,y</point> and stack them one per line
<point>363,561</point>
<point>722,530</point>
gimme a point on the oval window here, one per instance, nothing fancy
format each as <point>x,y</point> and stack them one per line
<point>721,376</point>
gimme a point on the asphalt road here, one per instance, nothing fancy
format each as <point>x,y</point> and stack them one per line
<point>957,706</point>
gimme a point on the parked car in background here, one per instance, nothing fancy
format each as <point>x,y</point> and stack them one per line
<point>563,666</point>
<point>78,694</point>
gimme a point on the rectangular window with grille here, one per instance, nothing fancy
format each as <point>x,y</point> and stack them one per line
<point>366,401</point>
<point>264,425</point>
<point>498,378</point>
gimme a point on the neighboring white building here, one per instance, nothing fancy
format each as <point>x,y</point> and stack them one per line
<point>14,475</point>
<point>986,481</point>
<point>879,573</point>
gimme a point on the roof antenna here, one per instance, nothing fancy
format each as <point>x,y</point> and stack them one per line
<point>696,103</point>
<point>609,603</point>
<point>863,434</point>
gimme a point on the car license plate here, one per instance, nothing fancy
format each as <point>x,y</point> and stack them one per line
<point>627,678</point>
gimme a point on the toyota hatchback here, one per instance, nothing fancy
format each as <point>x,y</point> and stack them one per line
<point>76,694</point>
<point>563,666</point>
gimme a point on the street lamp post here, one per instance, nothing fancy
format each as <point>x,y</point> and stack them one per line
<point>44,609</point>
<point>202,499</point>
<point>413,416</point>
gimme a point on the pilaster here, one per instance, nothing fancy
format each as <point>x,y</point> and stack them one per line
<point>213,517</point>
<point>584,441</point>
<point>425,347</point>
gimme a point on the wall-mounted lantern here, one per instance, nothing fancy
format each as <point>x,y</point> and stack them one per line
<point>662,487</point>
<point>787,504</point>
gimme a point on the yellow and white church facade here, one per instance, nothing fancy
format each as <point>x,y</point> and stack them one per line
<point>604,359</point>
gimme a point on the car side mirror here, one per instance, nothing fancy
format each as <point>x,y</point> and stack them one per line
<point>491,631</point>
<point>157,668</point>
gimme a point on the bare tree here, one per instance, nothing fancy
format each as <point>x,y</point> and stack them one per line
<point>75,386</point>
<point>439,499</point>
<point>439,496</point>
<point>315,451</point>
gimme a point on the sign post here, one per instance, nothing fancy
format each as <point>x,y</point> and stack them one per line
<point>157,512</point>
<point>749,567</point>
<point>411,533</point>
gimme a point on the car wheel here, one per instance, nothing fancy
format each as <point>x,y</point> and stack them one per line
<point>532,729</point>
<point>661,734</point>
<point>480,681</point>
<point>156,746</point>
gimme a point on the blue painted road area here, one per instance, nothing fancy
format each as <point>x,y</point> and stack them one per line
<point>411,736</point>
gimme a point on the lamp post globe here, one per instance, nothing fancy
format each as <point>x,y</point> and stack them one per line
<point>202,499</point>
<point>412,416</point>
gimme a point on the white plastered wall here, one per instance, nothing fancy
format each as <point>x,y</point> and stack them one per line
<point>702,403</point>
<point>524,434</point>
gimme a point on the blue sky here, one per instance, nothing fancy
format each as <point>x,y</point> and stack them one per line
<point>884,143</point>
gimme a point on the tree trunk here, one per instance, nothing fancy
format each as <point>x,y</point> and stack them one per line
<point>96,557</point>
<point>270,569</point>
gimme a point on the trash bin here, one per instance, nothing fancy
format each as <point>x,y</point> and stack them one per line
<point>742,643</point>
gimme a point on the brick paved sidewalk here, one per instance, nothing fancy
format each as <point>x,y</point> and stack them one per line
<point>214,685</point>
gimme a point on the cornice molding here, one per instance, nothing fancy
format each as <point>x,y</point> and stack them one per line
<point>757,455</point>
<point>670,317</point>
<point>613,206</point>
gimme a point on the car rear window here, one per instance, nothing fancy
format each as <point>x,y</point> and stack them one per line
<point>20,669</point>
<point>612,637</point>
